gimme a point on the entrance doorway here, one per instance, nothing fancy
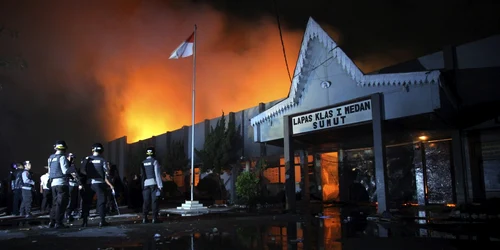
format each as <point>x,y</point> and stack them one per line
<point>329,163</point>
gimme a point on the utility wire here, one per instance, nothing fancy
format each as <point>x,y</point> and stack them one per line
<point>281,38</point>
<point>283,46</point>
<point>321,64</point>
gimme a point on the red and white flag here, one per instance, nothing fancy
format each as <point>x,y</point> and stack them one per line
<point>185,49</point>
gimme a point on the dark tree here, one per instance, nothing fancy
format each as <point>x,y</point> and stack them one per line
<point>176,158</point>
<point>135,157</point>
<point>222,146</point>
<point>234,141</point>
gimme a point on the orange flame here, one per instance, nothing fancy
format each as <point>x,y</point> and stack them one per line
<point>234,71</point>
<point>329,176</point>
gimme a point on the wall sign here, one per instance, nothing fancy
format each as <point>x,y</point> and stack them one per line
<point>333,117</point>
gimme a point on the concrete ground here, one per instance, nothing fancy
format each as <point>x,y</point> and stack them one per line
<point>333,228</point>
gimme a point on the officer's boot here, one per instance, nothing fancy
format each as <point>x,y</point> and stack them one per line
<point>145,219</point>
<point>52,223</point>
<point>69,217</point>
<point>156,220</point>
<point>103,223</point>
<point>84,222</point>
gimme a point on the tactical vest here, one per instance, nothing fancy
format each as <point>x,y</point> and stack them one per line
<point>55,166</point>
<point>149,167</point>
<point>95,167</point>
<point>28,174</point>
<point>18,181</point>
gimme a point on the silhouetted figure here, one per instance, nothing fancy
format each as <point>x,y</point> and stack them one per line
<point>17,184</point>
<point>135,193</point>
<point>2,193</point>
<point>125,196</point>
<point>27,190</point>
<point>46,193</point>
<point>95,170</point>
<point>357,192</point>
<point>152,185</point>
<point>73,189</point>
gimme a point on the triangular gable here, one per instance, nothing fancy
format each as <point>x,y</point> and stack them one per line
<point>313,30</point>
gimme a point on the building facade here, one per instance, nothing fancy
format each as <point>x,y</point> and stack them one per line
<point>423,132</point>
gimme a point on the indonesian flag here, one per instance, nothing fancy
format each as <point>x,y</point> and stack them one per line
<point>185,49</point>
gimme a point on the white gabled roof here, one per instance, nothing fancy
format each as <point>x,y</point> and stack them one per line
<point>313,30</point>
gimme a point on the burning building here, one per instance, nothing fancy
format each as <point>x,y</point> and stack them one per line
<point>423,132</point>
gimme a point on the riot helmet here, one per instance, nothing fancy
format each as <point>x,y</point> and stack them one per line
<point>60,145</point>
<point>98,148</point>
<point>150,151</point>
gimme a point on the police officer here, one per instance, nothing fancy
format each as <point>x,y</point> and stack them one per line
<point>94,171</point>
<point>58,182</point>
<point>16,185</point>
<point>27,191</point>
<point>73,189</point>
<point>81,189</point>
<point>45,191</point>
<point>151,185</point>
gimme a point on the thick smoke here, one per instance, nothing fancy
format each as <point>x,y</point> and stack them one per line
<point>380,33</point>
<point>97,71</point>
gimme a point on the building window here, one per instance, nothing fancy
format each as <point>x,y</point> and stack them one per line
<point>276,174</point>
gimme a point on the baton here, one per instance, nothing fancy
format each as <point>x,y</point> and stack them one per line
<point>116,203</point>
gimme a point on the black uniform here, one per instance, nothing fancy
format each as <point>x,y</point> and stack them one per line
<point>73,193</point>
<point>151,184</point>
<point>58,180</point>
<point>17,184</point>
<point>2,193</point>
<point>94,171</point>
<point>27,192</point>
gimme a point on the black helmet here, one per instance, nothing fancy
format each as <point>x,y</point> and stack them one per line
<point>150,151</point>
<point>97,147</point>
<point>60,145</point>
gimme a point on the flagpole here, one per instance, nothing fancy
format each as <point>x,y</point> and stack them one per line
<point>192,115</point>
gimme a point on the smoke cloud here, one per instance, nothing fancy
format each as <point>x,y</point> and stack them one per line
<point>379,33</point>
<point>97,72</point>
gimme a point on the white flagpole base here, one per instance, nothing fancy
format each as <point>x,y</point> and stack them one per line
<point>192,205</point>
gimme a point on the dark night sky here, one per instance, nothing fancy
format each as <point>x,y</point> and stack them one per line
<point>48,101</point>
<point>403,28</point>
